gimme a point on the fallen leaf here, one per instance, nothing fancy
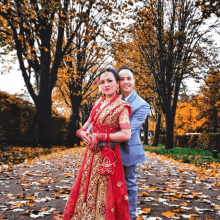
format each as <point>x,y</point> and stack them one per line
<point>168,214</point>
<point>30,204</point>
<point>146,210</point>
<point>145,194</point>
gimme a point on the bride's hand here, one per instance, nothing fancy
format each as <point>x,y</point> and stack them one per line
<point>95,139</point>
<point>94,143</point>
<point>86,137</point>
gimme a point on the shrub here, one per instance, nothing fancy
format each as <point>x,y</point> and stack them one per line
<point>203,141</point>
<point>18,123</point>
<point>187,155</point>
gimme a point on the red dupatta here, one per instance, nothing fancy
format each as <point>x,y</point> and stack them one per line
<point>117,207</point>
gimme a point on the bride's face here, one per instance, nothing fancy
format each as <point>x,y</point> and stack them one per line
<point>108,83</point>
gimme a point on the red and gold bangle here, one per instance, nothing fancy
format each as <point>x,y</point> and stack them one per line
<point>101,137</point>
<point>78,131</point>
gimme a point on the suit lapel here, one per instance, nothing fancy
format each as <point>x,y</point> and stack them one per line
<point>132,97</point>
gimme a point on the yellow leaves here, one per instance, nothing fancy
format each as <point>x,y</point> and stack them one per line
<point>150,188</point>
<point>17,204</point>
<point>168,214</point>
<point>46,180</point>
<point>30,204</point>
<point>33,16</point>
<point>217,207</point>
<point>69,175</point>
<point>23,179</point>
<point>170,190</point>
<point>31,197</point>
<point>173,198</point>
<point>145,194</point>
<point>194,195</point>
<point>25,185</point>
<point>184,204</point>
<point>146,210</point>
<point>20,37</point>
<point>9,195</point>
<point>179,195</point>
<point>193,218</point>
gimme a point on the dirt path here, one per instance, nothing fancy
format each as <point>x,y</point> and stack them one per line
<point>167,189</point>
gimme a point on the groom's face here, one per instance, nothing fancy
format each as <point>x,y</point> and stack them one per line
<point>126,82</point>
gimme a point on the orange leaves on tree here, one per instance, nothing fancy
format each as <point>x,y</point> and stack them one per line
<point>186,118</point>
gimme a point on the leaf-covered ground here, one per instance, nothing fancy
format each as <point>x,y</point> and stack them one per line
<point>168,189</point>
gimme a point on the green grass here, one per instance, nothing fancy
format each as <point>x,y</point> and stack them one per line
<point>187,155</point>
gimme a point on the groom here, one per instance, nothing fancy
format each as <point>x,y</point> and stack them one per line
<point>132,152</point>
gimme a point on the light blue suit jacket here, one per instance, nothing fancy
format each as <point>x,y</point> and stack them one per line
<point>132,153</point>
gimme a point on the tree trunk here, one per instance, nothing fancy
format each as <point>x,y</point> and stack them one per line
<point>157,130</point>
<point>215,121</point>
<point>169,130</point>
<point>43,107</point>
<point>146,131</point>
<point>74,121</point>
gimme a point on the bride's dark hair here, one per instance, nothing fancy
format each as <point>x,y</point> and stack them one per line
<point>112,70</point>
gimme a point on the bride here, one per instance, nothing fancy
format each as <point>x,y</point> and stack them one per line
<point>99,191</point>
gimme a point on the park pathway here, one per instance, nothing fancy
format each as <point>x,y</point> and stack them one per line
<point>167,189</point>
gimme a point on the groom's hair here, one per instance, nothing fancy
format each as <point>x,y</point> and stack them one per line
<point>112,70</point>
<point>125,67</point>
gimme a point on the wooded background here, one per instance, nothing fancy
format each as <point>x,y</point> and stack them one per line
<point>64,44</point>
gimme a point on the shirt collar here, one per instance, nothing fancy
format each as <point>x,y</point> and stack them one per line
<point>126,99</point>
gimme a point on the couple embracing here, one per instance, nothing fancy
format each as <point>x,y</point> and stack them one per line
<point>105,187</point>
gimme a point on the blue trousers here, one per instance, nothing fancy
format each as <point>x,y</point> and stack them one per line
<point>130,178</point>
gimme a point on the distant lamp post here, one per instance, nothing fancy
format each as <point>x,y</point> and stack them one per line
<point>215,154</point>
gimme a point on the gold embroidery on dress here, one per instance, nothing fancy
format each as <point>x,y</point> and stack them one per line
<point>101,198</point>
<point>95,206</point>
<point>112,116</point>
<point>125,117</point>
<point>119,184</point>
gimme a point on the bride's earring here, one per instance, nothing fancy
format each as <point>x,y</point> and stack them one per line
<point>117,89</point>
<point>100,90</point>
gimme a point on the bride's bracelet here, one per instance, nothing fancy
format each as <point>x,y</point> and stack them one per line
<point>78,131</point>
<point>102,137</point>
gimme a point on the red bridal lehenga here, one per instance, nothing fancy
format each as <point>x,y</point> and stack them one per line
<point>95,196</point>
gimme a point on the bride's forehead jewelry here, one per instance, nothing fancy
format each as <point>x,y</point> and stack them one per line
<point>106,73</point>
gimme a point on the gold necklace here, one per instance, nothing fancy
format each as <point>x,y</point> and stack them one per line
<point>108,99</point>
